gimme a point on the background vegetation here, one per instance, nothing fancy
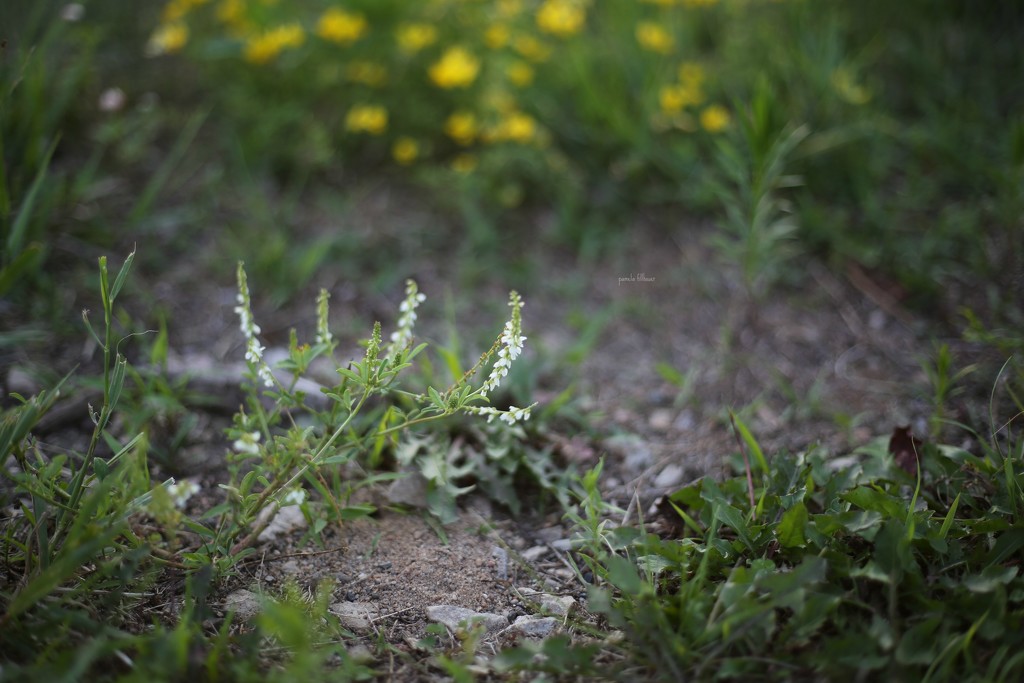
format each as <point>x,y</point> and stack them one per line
<point>885,138</point>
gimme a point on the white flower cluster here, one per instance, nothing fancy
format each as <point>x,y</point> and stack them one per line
<point>180,493</point>
<point>510,416</point>
<point>407,318</point>
<point>323,335</point>
<point>512,345</point>
<point>253,349</point>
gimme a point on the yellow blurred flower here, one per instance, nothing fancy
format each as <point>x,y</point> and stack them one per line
<point>167,38</point>
<point>531,48</point>
<point>262,48</point>
<point>562,18</point>
<point>715,119</point>
<point>662,3</point>
<point>405,150</point>
<point>496,36</point>
<point>699,3</point>
<point>516,126</point>
<point>674,98</point>
<point>520,73</point>
<point>372,74</point>
<point>653,36</point>
<point>367,118</point>
<point>462,127</point>
<point>340,26</point>
<point>457,68</point>
<point>415,37</point>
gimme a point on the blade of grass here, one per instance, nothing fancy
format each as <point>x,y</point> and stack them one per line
<point>160,178</point>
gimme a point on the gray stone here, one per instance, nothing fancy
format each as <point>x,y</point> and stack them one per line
<point>535,553</point>
<point>288,519</point>
<point>669,477</point>
<point>632,450</point>
<point>500,556</point>
<point>559,605</point>
<point>535,627</point>
<point>458,617</point>
<point>244,603</point>
<point>356,616</point>
<point>660,419</point>
<point>410,490</point>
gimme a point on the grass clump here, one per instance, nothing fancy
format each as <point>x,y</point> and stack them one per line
<point>899,561</point>
<point>86,537</point>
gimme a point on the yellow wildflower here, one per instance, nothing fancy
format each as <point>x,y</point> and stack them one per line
<point>167,38</point>
<point>562,18</point>
<point>531,48</point>
<point>415,37</point>
<point>367,118</point>
<point>462,127</point>
<point>372,74</point>
<point>268,45</point>
<point>516,126</point>
<point>405,150</point>
<point>520,73</point>
<point>653,36</point>
<point>496,36</point>
<point>464,163</point>
<point>457,68</point>
<point>340,26</point>
<point>673,98</point>
<point>715,118</point>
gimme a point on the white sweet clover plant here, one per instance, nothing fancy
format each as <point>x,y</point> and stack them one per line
<point>273,455</point>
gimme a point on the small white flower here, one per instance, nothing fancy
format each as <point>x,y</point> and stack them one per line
<point>112,99</point>
<point>180,493</point>
<point>247,443</point>
<point>295,497</point>
<point>72,12</point>
<point>407,320</point>
<point>266,375</point>
<point>323,334</point>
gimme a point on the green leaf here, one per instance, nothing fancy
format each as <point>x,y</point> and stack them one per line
<point>918,645</point>
<point>748,438</point>
<point>878,501</point>
<point>1007,544</point>
<point>791,528</point>
<point>990,579</point>
<point>948,521</point>
<point>17,235</point>
<point>623,575</point>
<point>122,275</point>
<point>26,260</point>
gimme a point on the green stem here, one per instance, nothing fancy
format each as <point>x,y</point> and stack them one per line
<point>281,483</point>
